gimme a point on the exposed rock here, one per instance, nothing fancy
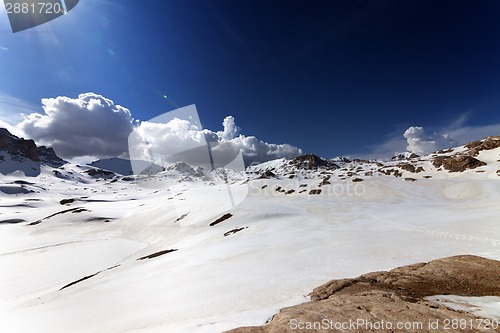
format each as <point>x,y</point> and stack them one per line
<point>233,231</point>
<point>404,156</point>
<point>221,219</point>
<point>310,162</point>
<point>491,142</point>
<point>313,192</point>
<point>18,147</point>
<point>48,156</point>
<point>325,181</point>
<point>457,163</point>
<point>408,179</point>
<point>357,180</point>
<point>267,174</point>
<point>157,254</point>
<point>66,201</point>
<point>410,167</point>
<point>444,151</point>
<point>394,296</point>
<point>100,173</point>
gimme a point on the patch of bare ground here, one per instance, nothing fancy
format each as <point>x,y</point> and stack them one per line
<point>488,143</point>
<point>73,210</point>
<point>233,231</point>
<point>410,167</point>
<point>394,296</point>
<point>157,254</point>
<point>221,219</point>
<point>85,278</point>
<point>457,163</point>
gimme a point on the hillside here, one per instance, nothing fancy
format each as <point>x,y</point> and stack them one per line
<point>195,250</point>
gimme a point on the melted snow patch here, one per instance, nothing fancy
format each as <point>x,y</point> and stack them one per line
<point>484,306</point>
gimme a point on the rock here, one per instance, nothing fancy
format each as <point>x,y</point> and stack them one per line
<point>410,167</point>
<point>18,147</point>
<point>404,156</point>
<point>310,162</point>
<point>49,157</point>
<point>357,180</point>
<point>490,142</point>
<point>394,296</point>
<point>315,192</point>
<point>267,174</point>
<point>100,173</point>
<point>221,219</point>
<point>457,163</point>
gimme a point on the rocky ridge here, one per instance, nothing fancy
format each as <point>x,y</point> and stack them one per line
<point>399,295</point>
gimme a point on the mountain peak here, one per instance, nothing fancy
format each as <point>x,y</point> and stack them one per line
<point>21,150</point>
<point>311,161</point>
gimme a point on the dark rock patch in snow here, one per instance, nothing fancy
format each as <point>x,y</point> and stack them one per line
<point>78,209</point>
<point>157,254</point>
<point>181,217</point>
<point>233,231</point>
<point>458,163</point>
<point>221,219</point>
<point>12,221</point>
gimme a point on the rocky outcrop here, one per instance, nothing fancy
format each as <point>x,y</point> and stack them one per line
<point>457,163</point>
<point>404,156</point>
<point>312,162</point>
<point>490,142</point>
<point>48,156</point>
<point>392,297</point>
<point>410,167</point>
<point>18,148</point>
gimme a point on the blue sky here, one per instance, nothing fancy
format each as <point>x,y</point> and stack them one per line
<point>330,77</point>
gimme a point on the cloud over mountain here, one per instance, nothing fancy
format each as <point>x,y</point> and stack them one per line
<point>92,125</point>
<point>421,143</point>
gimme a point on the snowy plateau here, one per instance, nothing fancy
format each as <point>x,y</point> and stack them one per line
<point>186,249</point>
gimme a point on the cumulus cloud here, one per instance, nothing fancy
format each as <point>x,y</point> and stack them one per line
<point>230,128</point>
<point>421,143</point>
<point>92,126</point>
<point>181,140</point>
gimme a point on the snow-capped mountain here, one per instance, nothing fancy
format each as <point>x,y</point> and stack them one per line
<point>89,249</point>
<point>21,155</point>
<point>126,167</point>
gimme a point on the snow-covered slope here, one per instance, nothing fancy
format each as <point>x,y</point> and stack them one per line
<point>87,251</point>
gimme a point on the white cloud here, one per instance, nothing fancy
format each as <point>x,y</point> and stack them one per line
<point>421,143</point>
<point>230,128</point>
<point>3,48</point>
<point>255,150</point>
<point>180,140</point>
<point>92,126</point>
<point>88,125</point>
<point>416,139</point>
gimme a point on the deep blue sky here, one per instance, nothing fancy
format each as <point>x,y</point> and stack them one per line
<point>331,77</point>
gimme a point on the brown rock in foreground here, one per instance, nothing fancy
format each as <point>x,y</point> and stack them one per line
<point>384,299</point>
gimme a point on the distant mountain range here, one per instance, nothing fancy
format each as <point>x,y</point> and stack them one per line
<point>24,155</point>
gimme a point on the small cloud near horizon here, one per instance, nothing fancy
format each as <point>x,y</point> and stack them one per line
<point>416,139</point>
